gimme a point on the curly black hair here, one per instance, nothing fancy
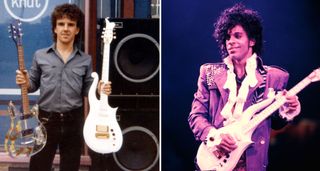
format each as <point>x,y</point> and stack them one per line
<point>70,11</point>
<point>239,15</point>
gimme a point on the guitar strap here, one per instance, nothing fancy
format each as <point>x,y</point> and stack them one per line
<point>258,94</point>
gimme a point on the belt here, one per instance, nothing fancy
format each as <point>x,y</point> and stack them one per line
<point>60,116</point>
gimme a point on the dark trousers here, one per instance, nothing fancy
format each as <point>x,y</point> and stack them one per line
<point>64,132</point>
<point>99,162</point>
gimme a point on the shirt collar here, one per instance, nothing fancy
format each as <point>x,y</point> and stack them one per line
<point>53,48</point>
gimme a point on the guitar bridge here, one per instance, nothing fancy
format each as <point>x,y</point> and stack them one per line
<point>102,132</point>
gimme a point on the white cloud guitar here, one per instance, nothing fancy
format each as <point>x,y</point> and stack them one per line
<point>101,130</point>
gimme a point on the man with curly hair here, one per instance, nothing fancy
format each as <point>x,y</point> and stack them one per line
<point>227,89</point>
<point>62,72</point>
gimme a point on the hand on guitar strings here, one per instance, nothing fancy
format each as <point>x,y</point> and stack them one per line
<point>292,102</point>
<point>22,77</point>
<point>106,87</point>
<point>227,143</point>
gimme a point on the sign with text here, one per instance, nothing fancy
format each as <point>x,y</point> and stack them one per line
<point>26,10</point>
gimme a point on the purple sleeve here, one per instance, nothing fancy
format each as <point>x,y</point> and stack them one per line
<point>199,118</point>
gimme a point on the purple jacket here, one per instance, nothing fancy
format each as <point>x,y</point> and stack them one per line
<point>210,98</point>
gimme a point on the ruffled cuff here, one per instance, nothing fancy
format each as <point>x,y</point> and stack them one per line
<point>285,114</point>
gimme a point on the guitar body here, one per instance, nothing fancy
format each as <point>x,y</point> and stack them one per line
<point>208,160</point>
<point>101,130</point>
<point>26,134</point>
<point>209,157</point>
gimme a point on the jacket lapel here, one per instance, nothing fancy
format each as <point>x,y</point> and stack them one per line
<point>260,80</point>
<point>220,81</point>
<point>222,78</point>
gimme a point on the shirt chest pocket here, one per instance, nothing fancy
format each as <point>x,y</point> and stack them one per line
<point>49,74</point>
<point>76,78</point>
<point>80,71</point>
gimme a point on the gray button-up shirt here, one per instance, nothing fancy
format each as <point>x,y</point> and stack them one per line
<point>62,85</point>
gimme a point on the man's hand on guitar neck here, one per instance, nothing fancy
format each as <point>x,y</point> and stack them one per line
<point>22,78</point>
<point>291,108</point>
<point>106,87</point>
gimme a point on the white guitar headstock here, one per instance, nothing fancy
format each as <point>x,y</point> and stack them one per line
<point>107,33</point>
<point>315,75</point>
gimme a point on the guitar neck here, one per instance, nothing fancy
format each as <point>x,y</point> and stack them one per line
<point>107,36</point>
<point>24,88</point>
<point>257,119</point>
<point>105,71</point>
<point>105,63</point>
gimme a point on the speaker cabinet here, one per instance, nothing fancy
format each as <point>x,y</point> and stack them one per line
<point>134,56</point>
<point>134,73</point>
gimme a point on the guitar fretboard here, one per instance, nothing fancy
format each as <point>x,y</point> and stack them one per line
<point>24,88</point>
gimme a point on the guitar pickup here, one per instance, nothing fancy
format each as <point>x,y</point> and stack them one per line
<point>26,132</point>
<point>102,132</point>
<point>102,135</point>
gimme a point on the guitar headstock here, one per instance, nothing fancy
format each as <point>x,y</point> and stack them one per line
<point>315,75</point>
<point>107,33</point>
<point>16,32</point>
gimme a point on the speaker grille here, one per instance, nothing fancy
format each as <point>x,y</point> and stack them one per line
<point>138,154</point>
<point>136,57</point>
